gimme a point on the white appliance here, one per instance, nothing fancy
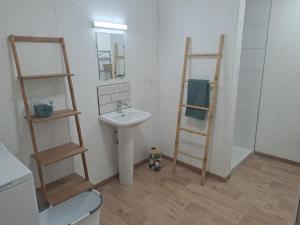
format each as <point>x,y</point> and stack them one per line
<point>18,204</point>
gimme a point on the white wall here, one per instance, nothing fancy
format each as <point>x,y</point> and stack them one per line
<point>203,21</point>
<point>19,17</point>
<point>279,118</point>
<point>72,19</point>
<point>252,62</point>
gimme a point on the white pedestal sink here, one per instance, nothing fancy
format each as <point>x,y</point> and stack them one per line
<point>126,123</point>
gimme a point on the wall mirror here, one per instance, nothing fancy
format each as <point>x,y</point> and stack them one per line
<point>110,53</point>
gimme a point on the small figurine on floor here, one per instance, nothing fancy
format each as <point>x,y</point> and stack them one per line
<point>155,159</point>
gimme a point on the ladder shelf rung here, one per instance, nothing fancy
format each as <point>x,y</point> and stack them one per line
<point>195,157</point>
<point>204,55</point>
<point>45,76</point>
<point>66,188</point>
<point>193,131</point>
<point>196,107</point>
<point>59,153</point>
<point>56,115</point>
<point>37,39</point>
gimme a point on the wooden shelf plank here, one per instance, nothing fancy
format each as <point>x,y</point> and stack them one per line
<point>37,39</point>
<point>56,115</point>
<point>46,76</point>
<point>66,188</point>
<point>59,153</point>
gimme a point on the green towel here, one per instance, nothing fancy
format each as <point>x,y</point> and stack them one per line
<point>197,95</point>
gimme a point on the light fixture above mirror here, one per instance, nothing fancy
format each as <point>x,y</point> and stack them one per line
<point>109,25</point>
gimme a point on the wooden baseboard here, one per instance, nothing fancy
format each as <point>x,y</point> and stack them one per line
<point>115,176</point>
<point>139,164</point>
<point>197,170</point>
<point>267,156</point>
<point>188,166</point>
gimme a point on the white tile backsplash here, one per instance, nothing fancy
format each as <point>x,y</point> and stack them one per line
<point>108,95</point>
<point>108,108</point>
<point>108,89</point>
<point>120,96</point>
<point>124,87</point>
<point>105,99</point>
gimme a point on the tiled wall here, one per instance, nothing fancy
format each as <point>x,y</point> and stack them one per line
<point>251,71</point>
<point>108,95</point>
<point>278,128</point>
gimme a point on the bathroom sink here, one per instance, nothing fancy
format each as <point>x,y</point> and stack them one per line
<point>126,123</point>
<point>129,117</point>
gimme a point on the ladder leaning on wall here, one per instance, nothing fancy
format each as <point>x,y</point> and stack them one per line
<point>210,109</point>
<point>67,187</point>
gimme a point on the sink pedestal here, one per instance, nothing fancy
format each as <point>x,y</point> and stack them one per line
<point>126,158</point>
<point>126,122</point>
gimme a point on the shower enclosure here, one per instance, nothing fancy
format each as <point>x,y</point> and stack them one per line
<point>255,33</point>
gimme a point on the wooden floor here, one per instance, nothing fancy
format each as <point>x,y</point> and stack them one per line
<point>261,192</point>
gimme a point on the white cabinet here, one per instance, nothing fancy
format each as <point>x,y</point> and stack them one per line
<point>18,205</point>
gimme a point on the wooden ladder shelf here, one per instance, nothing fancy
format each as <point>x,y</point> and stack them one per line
<point>65,188</point>
<point>210,110</point>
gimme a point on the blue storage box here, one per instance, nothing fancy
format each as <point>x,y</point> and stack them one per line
<point>43,110</point>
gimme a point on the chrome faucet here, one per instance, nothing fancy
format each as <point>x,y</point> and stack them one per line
<point>119,105</point>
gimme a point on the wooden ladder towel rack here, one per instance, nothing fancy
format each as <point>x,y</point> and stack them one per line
<point>210,109</point>
<point>65,188</point>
